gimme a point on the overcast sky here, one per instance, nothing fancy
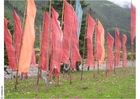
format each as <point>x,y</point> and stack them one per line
<point>121,2</point>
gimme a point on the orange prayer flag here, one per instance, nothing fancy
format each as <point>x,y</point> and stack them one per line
<point>102,43</point>
<point>28,38</point>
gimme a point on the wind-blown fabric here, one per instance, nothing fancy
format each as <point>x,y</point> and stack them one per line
<point>9,47</point>
<point>75,44</point>
<point>68,16</point>
<point>133,23</point>
<point>110,55</point>
<point>117,47</point>
<point>56,44</point>
<point>124,61</point>
<point>100,50</point>
<point>89,36</point>
<point>44,47</point>
<point>17,34</point>
<point>28,37</point>
<point>79,13</point>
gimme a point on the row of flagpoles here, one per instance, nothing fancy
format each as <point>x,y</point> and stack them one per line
<point>59,46</point>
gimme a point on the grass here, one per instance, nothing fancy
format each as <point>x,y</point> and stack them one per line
<point>121,85</point>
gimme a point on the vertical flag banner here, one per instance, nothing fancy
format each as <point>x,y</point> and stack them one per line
<point>110,55</point>
<point>9,47</point>
<point>79,13</point>
<point>117,47</point>
<point>68,16</point>
<point>44,47</point>
<point>17,33</point>
<point>28,37</point>
<point>133,23</point>
<point>124,59</point>
<point>75,44</point>
<point>100,51</point>
<point>89,36</point>
<point>56,44</point>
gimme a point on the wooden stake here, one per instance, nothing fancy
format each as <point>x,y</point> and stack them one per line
<point>20,44</point>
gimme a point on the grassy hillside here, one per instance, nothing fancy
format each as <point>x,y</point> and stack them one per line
<point>108,13</point>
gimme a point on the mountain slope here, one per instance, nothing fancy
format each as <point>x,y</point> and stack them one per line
<point>108,13</point>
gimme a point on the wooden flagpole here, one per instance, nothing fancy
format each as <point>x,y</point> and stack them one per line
<point>97,60</point>
<point>70,54</point>
<point>106,51</point>
<point>39,70</point>
<point>21,39</point>
<point>132,52</point>
<point>84,47</point>
<point>115,52</point>
<point>94,48</point>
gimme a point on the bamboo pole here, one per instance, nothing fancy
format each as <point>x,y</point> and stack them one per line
<point>16,82</point>
<point>84,48</point>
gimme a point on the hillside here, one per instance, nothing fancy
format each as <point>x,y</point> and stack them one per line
<point>111,15</point>
<point>108,13</point>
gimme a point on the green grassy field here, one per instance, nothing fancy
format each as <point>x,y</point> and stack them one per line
<point>120,85</point>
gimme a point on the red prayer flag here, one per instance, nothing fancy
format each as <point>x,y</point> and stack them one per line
<point>124,61</point>
<point>89,36</point>
<point>110,55</point>
<point>44,47</point>
<point>56,45</point>
<point>133,23</point>
<point>9,47</point>
<point>68,16</point>
<point>28,38</point>
<point>17,34</point>
<point>117,47</point>
<point>75,44</point>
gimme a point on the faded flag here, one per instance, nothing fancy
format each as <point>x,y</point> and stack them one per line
<point>56,44</point>
<point>44,47</point>
<point>79,13</point>
<point>124,59</point>
<point>133,23</point>
<point>28,37</point>
<point>89,35</point>
<point>68,16</point>
<point>100,43</point>
<point>110,55</point>
<point>75,44</point>
<point>9,47</point>
<point>17,34</point>
<point>117,47</point>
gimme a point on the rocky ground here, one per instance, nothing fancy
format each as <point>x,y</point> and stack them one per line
<point>34,69</point>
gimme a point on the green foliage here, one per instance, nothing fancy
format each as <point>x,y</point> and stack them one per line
<point>120,86</point>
